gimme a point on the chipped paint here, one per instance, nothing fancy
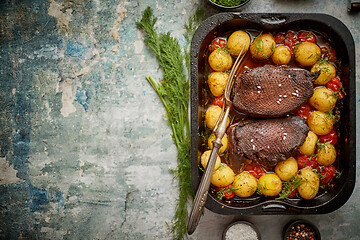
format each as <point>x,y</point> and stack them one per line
<point>7,173</point>
<point>68,89</point>
<point>114,30</point>
<point>63,16</point>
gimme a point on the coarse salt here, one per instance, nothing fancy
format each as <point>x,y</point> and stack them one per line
<point>241,232</point>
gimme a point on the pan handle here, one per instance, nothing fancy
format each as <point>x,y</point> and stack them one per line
<point>274,207</point>
<point>274,19</point>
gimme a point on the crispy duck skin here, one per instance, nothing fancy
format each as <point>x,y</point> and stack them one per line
<point>265,141</point>
<point>272,91</point>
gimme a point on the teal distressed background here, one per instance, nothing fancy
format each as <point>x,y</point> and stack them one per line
<point>84,146</point>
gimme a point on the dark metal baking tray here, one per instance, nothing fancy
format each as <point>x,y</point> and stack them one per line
<point>341,39</point>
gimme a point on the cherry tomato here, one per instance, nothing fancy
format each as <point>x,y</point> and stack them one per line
<point>217,43</point>
<point>290,40</point>
<point>328,52</point>
<point>306,36</point>
<point>279,38</point>
<point>327,173</point>
<point>336,86</point>
<point>227,191</point>
<point>306,161</point>
<point>218,101</point>
<point>255,170</point>
<point>293,193</point>
<point>303,111</point>
<point>331,137</point>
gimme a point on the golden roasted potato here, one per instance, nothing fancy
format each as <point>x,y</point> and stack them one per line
<point>307,53</point>
<point>220,60</point>
<point>212,115</point>
<point>237,41</point>
<point>326,154</point>
<point>309,183</point>
<point>223,176</point>
<point>263,46</point>
<point>217,82</point>
<point>205,159</point>
<point>323,99</point>
<point>328,72</point>
<point>246,184</point>
<point>224,142</point>
<point>320,123</point>
<point>309,145</point>
<point>281,55</point>
<point>269,184</point>
<point>286,169</point>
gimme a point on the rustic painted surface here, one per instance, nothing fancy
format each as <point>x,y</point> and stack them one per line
<point>85,151</point>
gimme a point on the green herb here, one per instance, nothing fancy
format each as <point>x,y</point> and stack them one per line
<point>221,193</point>
<point>173,91</point>
<point>228,3</point>
<point>289,186</point>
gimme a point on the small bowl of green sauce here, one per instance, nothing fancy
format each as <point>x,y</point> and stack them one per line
<point>229,5</point>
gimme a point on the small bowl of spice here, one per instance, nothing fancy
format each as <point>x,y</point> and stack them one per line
<point>301,230</point>
<point>229,5</point>
<point>241,230</point>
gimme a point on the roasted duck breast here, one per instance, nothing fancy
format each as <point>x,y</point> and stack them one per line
<point>272,91</point>
<point>265,141</point>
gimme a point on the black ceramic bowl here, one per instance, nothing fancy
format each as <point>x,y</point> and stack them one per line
<point>301,225</point>
<point>234,8</point>
<point>241,232</point>
<point>342,41</point>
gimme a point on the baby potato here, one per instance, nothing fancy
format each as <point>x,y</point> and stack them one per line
<point>263,46</point>
<point>220,60</point>
<point>323,99</point>
<point>307,53</point>
<point>224,142</point>
<point>286,169</point>
<point>237,41</point>
<point>269,184</point>
<point>328,72</point>
<point>281,56</point>
<point>309,184</point>
<point>326,154</point>
<point>246,184</point>
<point>320,123</point>
<point>223,176</point>
<point>217,83</point>
<point>205,159</point>
<point>212,115</point>
<point>309,145</point>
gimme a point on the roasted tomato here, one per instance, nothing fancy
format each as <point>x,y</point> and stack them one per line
<point>306,161</point>
<point>331,137</point>
<point>279,38</point>
<point>303,111</point>
<point>226,192</point>
<point>217,43</point>
<point>327,173</point>
<point>290,40</point>
<point>255,169</point>
<point>336,86</point>
<point>306,36</point>
<point>328,52</point>
<point>293,193</point>
<point>218,101</point>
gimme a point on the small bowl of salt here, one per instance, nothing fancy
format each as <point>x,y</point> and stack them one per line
<point>241,230</point>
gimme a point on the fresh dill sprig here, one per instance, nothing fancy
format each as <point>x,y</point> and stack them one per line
<point>173,91</point>
<point>289,186</point>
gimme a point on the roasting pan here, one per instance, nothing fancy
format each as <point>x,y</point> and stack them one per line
<point>342,41</point>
